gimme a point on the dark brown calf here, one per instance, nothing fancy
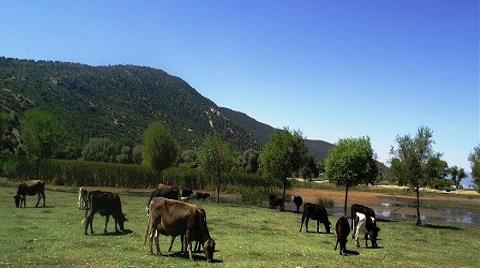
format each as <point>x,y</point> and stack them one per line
<point>29,188</point>
<point>343,230</point>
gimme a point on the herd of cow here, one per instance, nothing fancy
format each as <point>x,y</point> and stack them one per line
<point>170,214</point>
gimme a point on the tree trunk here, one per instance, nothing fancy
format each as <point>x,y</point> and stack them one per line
<point>418,205</point>
<point>346,197</point>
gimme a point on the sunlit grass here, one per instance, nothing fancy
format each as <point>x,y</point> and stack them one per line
<point>245,236</point>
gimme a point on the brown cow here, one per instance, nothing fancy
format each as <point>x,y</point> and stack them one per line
<point>29,188</point>
<point>172,217</point>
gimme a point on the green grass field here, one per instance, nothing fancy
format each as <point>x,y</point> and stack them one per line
<point>245,236</point>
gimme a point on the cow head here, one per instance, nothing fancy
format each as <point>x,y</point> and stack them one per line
<point>17,200</point>
<point>328,225</point>
<point>209,246</point>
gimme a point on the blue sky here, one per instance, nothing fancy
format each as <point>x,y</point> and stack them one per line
<point>332,69</point>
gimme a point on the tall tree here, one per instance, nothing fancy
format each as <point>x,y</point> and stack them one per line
<point>41,133</point>
<point>159,148</point>
<point>284,154</point>
<point>216,158</point>
<point>474,159</point>
<point>461,175</point>
<point>413,154</point>
<point>350,163</point>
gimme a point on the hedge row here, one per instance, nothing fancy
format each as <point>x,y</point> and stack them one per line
<point>77,173</point>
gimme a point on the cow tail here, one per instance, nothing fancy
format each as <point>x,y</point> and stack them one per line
<point>147,231</point>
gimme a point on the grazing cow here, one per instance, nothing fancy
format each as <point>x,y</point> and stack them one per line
<point>362,209</point>
<point>315,212</point>
<point>178,218</point>
<point>274,202</point>
<point>298,202</point>
<point>186,194</point>
<point>369,227</point>
<point>106,204</point>
<point>202,196</point>
<point>343,230</point>
<point>82,198</point>
<point>29,188</point>
<point>164,190</point>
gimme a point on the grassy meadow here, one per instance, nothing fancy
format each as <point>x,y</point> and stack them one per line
<point>245,237</point>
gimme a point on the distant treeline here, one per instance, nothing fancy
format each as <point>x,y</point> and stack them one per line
<point>77,173</point>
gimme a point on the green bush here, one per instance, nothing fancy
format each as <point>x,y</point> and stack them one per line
<point>326,203</point>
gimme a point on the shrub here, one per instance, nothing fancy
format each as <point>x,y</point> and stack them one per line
<point>326,203</point>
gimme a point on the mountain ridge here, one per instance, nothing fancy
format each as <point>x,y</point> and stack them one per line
<point>119,101</point>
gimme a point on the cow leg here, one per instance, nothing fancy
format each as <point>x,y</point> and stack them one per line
<point>188,241</point>
<point>24,200</point>
<point>38,199</point>
<point>172,239</point>
<point>88,221</point>
<point>116,223</point>
<point>336,244</point>
<point>43,197</point>
<point>153,233</point>
<point>157,243</point>
<point>306,223</point>
<point>318,226</point>
<point>366,240</point>
<point>106,222</point>
<point>301,224</point>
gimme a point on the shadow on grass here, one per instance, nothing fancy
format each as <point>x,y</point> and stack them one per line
<point>386,220</point>
<point>196,256</point>
<point>40,207</point>
<point>434,226</point>
<point>350,253</point>
<point>125,232</point>
<point>320,233</point>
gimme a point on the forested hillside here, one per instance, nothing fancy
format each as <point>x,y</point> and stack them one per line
<point>119,101</point>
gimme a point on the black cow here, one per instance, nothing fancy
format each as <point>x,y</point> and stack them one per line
<point>163,190</point>
<point>186,194</point>
<point>298,202</point>
<point>274,202</point>
<point>343,230</point>
<point>315,212</point>
<point>202,196</point>
<point>361,209</point>
<point>29,188</point>
<point>105,203</point>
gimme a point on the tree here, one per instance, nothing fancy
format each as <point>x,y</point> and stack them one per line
<point>309,170</point>
<point>350,163</point>
<point>283,155</point>
<point>99,150</point>
<point>474,159</point>
<point>457,175</point>
<point>159,148</point>
<point>413,155</point>
<point>216,158</point>
<point>41,133</point>
<point>125,155</point>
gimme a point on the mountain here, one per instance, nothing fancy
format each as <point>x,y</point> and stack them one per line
<point>119,101</point>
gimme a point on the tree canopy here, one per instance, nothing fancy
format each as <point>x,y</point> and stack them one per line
<point>412,156</point>
<point>159,148</point>
<point>351,162</point>
<point>215,156</point>
<point>474,159</point>
<point>41,133</point>
<point>284,154</point>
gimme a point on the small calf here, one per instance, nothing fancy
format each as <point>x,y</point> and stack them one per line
<point>36,187</point>
<point>202,196</point>
<point>298,202</point>
<point>343,230</point>
<point>275,202</point>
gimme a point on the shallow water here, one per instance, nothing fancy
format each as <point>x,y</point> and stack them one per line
<point>398,209</point>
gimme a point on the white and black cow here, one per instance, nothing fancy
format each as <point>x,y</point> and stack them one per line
<point>367,225</point>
